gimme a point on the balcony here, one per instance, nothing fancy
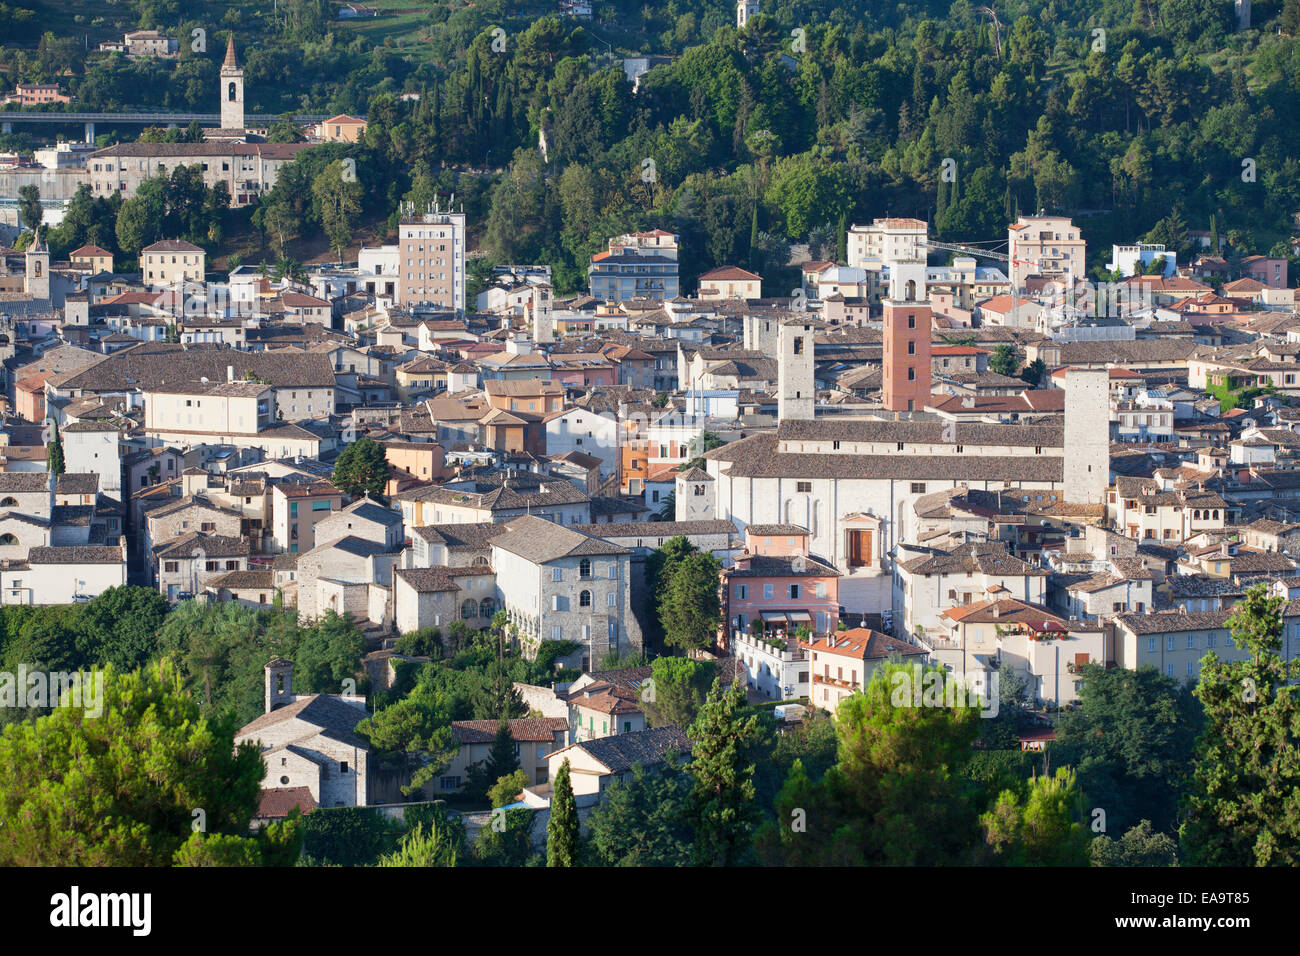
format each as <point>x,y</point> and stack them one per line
<point>834,682</point>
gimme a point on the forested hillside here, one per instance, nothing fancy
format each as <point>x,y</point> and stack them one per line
<point>1139,119</point>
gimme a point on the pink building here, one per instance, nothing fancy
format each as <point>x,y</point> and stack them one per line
<point>777,539</point>
<point>776,582</point>
<point>1266,269</point>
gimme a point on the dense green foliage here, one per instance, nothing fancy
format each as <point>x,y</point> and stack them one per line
<point>1131,740</point>
<point>722,778</point>
<point>1243,808</point>
<point>690,608</point>
<point>411,724</point>
<point>348,836</point>
<point>644,822</point>
<point>361,469</point>
<point>757,138</point>
<point>130,785</point>
<point>679,688</point>
<point>1139,846</point>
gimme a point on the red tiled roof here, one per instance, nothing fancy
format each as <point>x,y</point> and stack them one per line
<point>525,729</point>
<point>277,803</point>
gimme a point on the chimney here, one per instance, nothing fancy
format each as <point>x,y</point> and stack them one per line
<point>230,373</point>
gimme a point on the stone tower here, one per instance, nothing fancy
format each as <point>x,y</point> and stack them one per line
<point>905,354</point>
<point>760,332</point>
<point>795,393</point>
<point>693,495</point>
<point>279,683</point>
<point>36,281</point>
<point>1087,435</point>
<point>232,89</point>
<point>537,312</point>
<point>744,10</point>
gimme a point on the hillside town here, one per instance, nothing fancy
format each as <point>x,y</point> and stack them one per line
<point>496,557</point>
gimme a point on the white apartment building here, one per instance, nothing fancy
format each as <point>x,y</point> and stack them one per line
<point>886,240</point>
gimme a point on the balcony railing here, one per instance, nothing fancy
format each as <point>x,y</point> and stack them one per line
<point>834,682</point>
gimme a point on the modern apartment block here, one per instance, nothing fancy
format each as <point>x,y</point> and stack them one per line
<point>639,265</point>
<point>1050,246</point>
<point>431,261</point>
<point>899,239</point>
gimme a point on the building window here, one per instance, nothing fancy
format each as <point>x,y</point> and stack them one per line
<point>584,568</point>
<point>584,599</point>
<point>469,609</point>
<point>918,487</point>
<point>803,487</point>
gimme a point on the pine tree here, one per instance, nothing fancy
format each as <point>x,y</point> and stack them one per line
<point>361,468</point>
<point>562,828</point>
<point>722,797</point>
<point>1290,20</point>
<point>55,463</point>
<point>1244,808</point>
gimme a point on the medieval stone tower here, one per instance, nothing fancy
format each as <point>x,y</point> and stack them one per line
<point>795,393</point>
<point>1087,435</point>
<point>760,332</point>
<point>694,494</point>
<point>232,89</point>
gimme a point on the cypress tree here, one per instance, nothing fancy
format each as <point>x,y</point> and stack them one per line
<point>55,463</point>
<point>722,796</point>
<point>562,829</point>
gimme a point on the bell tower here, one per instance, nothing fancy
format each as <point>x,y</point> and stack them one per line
<point>232,89</point>
<point>36,281</point>
<point>279,683</point>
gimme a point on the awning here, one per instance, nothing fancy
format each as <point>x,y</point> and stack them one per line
<point>784,617</point>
